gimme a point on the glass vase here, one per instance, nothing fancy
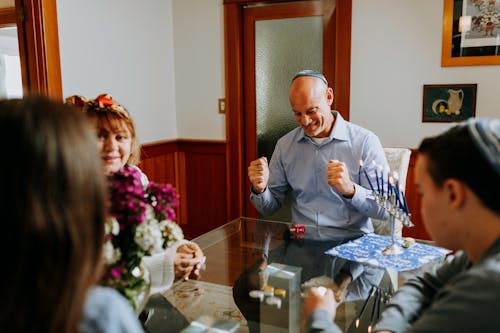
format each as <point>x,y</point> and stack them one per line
<point>139,296</point>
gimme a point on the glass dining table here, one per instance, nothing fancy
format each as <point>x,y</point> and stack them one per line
<point>257,274</point>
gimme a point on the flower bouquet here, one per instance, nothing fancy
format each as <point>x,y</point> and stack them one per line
<point>140,223</point>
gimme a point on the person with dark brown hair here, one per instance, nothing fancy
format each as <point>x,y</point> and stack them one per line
<point>53,202</point>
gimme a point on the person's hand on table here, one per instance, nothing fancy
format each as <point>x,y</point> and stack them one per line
<point>319,299</point>
<point>188,261</point>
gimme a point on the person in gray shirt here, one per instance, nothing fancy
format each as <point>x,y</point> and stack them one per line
<point>457,175</point>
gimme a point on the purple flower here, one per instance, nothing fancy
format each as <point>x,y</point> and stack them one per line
<point>163,198</point>
<point>132,205</point>
<point>115,272</point>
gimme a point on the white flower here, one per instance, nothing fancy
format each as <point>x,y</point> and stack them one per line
<point>136,271</point>
<point>149,236</point>
<point>171,231</point>
<point>111,255</point>
<point>112,226</point>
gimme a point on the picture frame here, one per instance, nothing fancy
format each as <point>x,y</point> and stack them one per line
<point>471,33</point>
<point>448,102</point>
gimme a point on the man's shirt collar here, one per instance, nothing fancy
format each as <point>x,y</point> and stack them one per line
<point>338,132</point>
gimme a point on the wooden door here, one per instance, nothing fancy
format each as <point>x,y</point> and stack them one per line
<point>39,47</point>
<point>240,20</point>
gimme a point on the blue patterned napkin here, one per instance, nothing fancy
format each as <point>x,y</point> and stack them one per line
<point>368,250</point>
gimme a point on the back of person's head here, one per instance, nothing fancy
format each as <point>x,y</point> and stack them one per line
<point>53,206</point>
<point>105,110</point>
<point>469,152</point>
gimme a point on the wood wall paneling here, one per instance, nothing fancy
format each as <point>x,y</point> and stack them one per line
<point>158,161</point>
<point>205,191</point>
<point>7,17</point>
<point>197,169</point>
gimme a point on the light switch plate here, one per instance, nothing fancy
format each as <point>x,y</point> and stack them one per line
<point>222,105</point>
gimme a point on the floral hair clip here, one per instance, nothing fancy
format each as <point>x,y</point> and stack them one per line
<point>104,102</point>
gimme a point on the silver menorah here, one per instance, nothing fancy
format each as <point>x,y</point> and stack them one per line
<point>389,197</point>
<point>389,204</point>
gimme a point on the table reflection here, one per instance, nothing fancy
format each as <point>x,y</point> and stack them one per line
<point>349,280</point>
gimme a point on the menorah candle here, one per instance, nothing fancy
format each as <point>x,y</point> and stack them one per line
<point>379,305</point>
<point>400,199</point>
<point>363,308</point>
<point>376,176</point>
<point>395,175</point>
<point>369,182</point>
<point>382,180</point>
<point>376,300</point>
<point>388,172</point>
<point>396,187</point>
<point>395,190</point>
<point>359,171</point>
<point>389,185</point>
<point>405,206</point>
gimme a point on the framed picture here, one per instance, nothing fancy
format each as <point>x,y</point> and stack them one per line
<point>471,33</point>
<point>448,102</point>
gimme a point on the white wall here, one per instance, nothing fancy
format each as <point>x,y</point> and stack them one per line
<point>396,49</point>
<point>131,49</point>
<point>124,48</point>
<point>199,68</point>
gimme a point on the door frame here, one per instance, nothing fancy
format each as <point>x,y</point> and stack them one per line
<point>340,66</point>
<point>38,39</point>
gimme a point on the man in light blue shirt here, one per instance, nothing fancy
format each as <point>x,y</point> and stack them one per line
<point>319,162</point>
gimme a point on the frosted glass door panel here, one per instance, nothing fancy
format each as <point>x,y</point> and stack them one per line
<point>282,48</point>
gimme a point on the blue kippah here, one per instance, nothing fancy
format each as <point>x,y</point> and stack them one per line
<point>310,72</point>
<point>485,133</point>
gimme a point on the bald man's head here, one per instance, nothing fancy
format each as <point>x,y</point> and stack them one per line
<point>311,99</point>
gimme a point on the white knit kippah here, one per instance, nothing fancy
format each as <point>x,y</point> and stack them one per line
<point>485,133</point>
